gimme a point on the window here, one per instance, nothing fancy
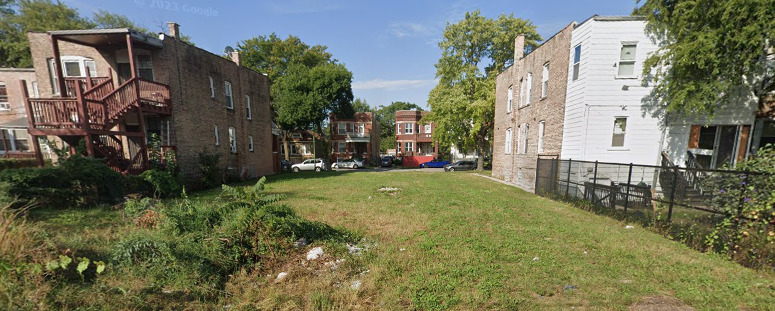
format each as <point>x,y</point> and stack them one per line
<point>408,146</point>
<point>145,67</point>
<point>508,141</point>
<point>212,87</point>
<point>541,129</point>
<point>35,91</point>
<point>217,138</point>
<point>408,128</point>
<point>519,139</point>
<point>521,93</point>
<point>306,149</point>
<point>250,143</point>
<point>72,66</point>
<point>90,66</point>
<point>342,147</point>
<point>529,86</point>
<point>510,99</point>
<point>291,146</point>
<point>232,139</point>
<point>361,128</point>
<point>227,89</point>
<point>576,61</point>
<point>342,127</point>
<point>427,129</point>
<point>4,105</point>
<point>247,107</point>
<point>15,140</point>
<point>526,129</point>
<point>627,61</point>
<point>545,81</point>
<point>620,128</point>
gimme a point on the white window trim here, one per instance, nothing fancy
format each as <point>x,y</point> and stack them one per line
<point>545,81</point>
<point>232,139</point>
<point>576,65</point>
<point>509,138</point>
<point>529,87</point>
<point>229,94</point>
<point>519,139</point>
<point>428,129</point>
<point>212,87</point>
<point>247,106</point>
<point>217,137</point>
<point>634,61</point>
<point>341,147</point>
<point>510,100</point>
<point>541,132</point>
<point>5,105</point>
<point>521,93</point>
<point>623,147</point>
<point>250,143</point>
<point>409,146</point>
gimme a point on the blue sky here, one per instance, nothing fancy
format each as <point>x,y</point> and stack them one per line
<point>390,46</point>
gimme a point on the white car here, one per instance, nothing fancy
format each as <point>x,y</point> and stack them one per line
<point>348,163</point>
<point>316,165</point>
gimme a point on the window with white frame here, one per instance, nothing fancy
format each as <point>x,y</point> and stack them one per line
<point>541,129</point>
<point>227,91</point>
<point>427,129</point>
<point>72,66</point>
<point>510,99</point>
<point>35,90</point>
<point>341,147</point>
<point>306,149</point>
<point>212,87</point>
<point>525,133</point>
<point>217,137</point>
<point>529,87</point>
<point>342,128</point>
<point>232,139</point>
<point>247,107</point>
<point>361,128</point>
<point>507,148</point>
<point>620,129</point>
<point>576,62</point>
<point>521,93</point>
<point>519,139</point>
<point>250,143</point>
<point>408,128</point>
<point>408,146</point>
<point>545,81</point>
<point>627,60</point>
<point>15,140</point>
<point>4,104</point>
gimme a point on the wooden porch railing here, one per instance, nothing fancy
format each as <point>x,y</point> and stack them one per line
<point>59,113</point>
<point>72,82</point>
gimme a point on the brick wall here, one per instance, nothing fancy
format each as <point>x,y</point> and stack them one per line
<point>518,166</point>
<point>419,136</point>
<point>11,77</point>
<point>370,127</point>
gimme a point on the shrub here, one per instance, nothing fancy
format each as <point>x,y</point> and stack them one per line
<point>142,249</point>
<point>163,183</point>
<point>17,163</point>
<point>209,168</point>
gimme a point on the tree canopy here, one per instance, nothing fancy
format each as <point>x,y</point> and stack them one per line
<point>307,83</point>
<point>474,51</point>
<point>19,17</point>
<point>386,118</point>
<point>360,105</point>
<point>707,51</point>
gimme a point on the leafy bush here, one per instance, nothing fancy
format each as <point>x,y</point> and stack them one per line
<point>143,249</point>
<point>17,163</point>
<point>209,168</point>
<point>163,183</point>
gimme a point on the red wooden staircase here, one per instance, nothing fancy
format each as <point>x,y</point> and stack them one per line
<point>95,111</point>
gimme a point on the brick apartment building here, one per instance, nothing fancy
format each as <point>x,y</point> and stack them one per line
<point>14,139</point>
<point>414,141</point>
<point>303,145</point>
<point>114,88</point>
<point>530,108</point>
<point>357,137</point>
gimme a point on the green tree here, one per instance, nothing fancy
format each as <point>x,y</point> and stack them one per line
<point>16,19</point>
<point>360,105</point>
<point>709,51</point>
<point>307,84</point>
<point>474,51</point>
<point>386,117</point>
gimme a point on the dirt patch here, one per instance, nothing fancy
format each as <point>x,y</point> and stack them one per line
<point>660,303</point>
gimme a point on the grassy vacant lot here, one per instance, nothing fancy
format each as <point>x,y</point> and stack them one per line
<point>471,243</point>
<point>443,241</point>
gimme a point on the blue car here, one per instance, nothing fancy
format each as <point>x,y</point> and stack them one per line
<point>437,163</point>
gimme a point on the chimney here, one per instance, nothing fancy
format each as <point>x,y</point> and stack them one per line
<point>519,47</point>
<point>235,57</point>
<point>174,29</point>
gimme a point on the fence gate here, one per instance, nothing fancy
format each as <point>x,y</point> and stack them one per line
<point>547,174</point>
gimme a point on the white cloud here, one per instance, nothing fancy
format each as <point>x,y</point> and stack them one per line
<point>410,29</point>
<point>391,84</point>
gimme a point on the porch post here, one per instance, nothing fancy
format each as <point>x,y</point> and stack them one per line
<point>83,116</point>
<point>140,119</point>
<point>58,66</point>
<point>30,115</point>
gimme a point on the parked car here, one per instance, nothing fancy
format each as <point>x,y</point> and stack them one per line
<point>347,163</point>
<point>387,161</point>
<point>285,165</point>
<point>460,166</point>
<point>435,163</point>
<point>310,165</point>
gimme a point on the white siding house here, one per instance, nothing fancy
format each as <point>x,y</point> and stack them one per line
<point>605,115</point>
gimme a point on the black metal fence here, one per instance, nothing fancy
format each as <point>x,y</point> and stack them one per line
<point>684,193</point>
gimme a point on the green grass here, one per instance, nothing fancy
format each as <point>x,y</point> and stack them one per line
<point>444,241</point>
